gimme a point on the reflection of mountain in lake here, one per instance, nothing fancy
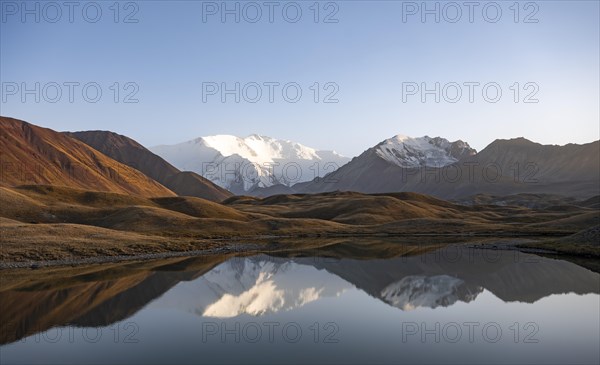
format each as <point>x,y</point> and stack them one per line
<point>255,286</point>
<point>416,291</point>
<point>262,285</point>
<point>509,275</point>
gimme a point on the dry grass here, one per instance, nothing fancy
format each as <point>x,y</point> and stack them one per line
<point>43,242</point>
<point>583,243</point>
<point>50,223</point>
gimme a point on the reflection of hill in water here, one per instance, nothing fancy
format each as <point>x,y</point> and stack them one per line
<point>89,299</point>
<point>510,275</point>
<point>416,291</point>
<point>261,285</point>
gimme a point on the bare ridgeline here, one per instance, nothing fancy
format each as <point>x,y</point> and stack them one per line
<point>69,196</point>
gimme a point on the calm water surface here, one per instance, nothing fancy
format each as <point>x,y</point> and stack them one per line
<point>472,306</point>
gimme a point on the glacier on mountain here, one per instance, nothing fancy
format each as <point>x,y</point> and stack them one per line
<point>424,151</point>
<point>240,164</point>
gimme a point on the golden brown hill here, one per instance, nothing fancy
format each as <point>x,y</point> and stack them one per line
<point>35,155</point>
<point>54,223</point>
<point>200,208</point>
<point>57,204</point>
<point>351,207</point>
<point>189,183</point>
<point>133,154</point>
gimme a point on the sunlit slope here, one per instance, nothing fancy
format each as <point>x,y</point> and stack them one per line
<point>35,155</point>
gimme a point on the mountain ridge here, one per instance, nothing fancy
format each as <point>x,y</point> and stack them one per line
<point>408,152</point>
<point>43,156</point>
<point>504,167</point>
<point>242,164</point>
<point>135,155</point>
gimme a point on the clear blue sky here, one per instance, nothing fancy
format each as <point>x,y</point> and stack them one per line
<point>368,53</point>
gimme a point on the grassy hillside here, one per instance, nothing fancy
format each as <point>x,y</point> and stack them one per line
<point>35,155</point>
<point>42,222</point>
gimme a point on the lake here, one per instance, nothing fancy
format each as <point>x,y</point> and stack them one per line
<point>450,305</point>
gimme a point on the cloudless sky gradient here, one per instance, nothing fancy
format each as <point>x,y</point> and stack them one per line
<point>368,54</point>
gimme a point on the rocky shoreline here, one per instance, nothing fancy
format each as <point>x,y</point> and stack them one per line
<point>121,258</point>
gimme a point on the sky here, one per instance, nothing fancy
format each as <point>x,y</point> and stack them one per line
<point>341,75</point>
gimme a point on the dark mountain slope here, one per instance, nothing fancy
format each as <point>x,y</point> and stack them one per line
<point>133,154</point>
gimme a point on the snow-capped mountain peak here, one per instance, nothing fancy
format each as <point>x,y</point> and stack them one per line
<point>401,138</point>
<point>239,164</point>
<point>410,152</point>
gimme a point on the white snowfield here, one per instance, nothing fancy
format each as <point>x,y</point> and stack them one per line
<point>255,161</point>
<point>241,164</point>
<point>424,151</point>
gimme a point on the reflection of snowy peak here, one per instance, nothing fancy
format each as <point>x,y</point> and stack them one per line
<point>255,287</point>
<point>424,151</point>
<point>262,285</point>
<point>255,161</point>
<point>416,291</point>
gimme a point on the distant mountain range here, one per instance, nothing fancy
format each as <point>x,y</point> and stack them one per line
<point>504,167</point>
<point>244,164</point>
<point>263,166</point>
